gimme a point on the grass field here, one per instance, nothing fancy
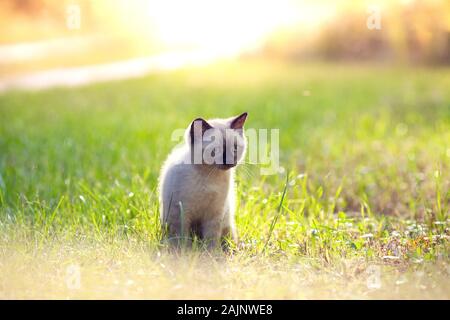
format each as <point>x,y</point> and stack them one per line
<point>365,213</point>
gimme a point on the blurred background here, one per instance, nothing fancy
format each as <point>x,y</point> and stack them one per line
<point>46,35</point>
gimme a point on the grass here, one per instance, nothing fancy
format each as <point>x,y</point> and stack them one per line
<point>366,201</point>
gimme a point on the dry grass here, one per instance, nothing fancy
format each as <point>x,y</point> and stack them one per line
<point>125,270</point>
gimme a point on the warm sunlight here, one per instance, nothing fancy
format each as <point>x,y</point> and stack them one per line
<point>219,26</point>
<point>216,26</point>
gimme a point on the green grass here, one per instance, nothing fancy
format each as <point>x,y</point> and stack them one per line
<point>367,149</point>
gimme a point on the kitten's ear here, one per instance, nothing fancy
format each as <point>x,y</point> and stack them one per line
<point>198,128</point>
<point>238,122</point>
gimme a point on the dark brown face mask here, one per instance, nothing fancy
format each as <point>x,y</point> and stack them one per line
<point>229,156</point>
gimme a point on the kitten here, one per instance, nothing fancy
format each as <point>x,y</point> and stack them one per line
<point>196,185</point>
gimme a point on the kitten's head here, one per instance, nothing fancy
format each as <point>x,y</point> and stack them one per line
<point>217,142</point>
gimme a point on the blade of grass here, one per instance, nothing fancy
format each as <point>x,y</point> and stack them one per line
<point>279,212</point>
<point>182,222</point>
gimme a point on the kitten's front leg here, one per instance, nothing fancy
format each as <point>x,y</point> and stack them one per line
<point>178,235</point>
<point>178,228</point>
<point>212,231</point>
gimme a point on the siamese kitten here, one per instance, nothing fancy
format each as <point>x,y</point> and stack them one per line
<point>196,185</point>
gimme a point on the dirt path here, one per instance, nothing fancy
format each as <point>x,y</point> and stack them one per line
<point>103,72</point>
<point>76,76</point>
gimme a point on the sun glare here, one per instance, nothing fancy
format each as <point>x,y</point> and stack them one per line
<point>219,26</point>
